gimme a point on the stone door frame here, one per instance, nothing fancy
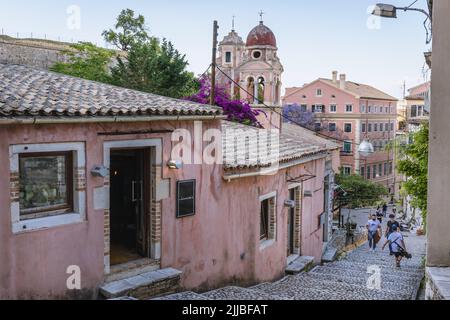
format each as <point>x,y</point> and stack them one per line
<point>158,187</point>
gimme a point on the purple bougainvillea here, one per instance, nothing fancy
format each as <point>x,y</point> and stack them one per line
<point>236,110</point>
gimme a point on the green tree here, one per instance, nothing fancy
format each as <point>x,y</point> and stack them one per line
<point>357,192</point>
<point>86,61</point>
<point>129,30</point>
<point>413,164</point>
<point>157,68</point>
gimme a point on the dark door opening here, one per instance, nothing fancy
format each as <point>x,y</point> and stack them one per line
<point>291,225</point>
<point>128,205</point>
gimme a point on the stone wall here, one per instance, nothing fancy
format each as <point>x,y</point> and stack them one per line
<point>31,52</point>
<point>437,283</point>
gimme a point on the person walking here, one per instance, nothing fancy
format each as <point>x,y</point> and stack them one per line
<point>392,225</point>
<point>373,227</point>
<point>397,246</point>
<point>380,216</point>
<point>384,209</point>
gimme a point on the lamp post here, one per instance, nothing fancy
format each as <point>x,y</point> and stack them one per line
<point>390,11</point>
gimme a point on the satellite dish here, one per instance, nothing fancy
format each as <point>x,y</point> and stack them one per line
<point>366,148</point>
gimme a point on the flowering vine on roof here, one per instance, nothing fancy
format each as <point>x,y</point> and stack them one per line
<point>236,110</point>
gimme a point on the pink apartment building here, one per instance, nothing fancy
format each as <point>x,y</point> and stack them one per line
<point>358,111</point>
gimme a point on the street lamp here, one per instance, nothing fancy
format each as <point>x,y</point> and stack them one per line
<point>390,11</point>
<point>366,148</point>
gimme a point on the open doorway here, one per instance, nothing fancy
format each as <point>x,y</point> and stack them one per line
<point>129,192</point>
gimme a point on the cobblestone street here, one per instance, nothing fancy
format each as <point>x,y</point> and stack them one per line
<point>346,279</point>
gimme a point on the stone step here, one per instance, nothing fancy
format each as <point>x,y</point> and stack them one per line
<point>302,263</point>
<point>388,277</point>
<point>187,295</point>
<point>133,268</point>
<point>391,285</point>
<point>330,255</point>
<point>305,287</point>
<point>145,285</point>
<point>238,293</point>
<point>387,265</point>
<point>392,288</point>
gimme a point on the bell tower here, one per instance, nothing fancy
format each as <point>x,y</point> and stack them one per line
<point>256,67</point>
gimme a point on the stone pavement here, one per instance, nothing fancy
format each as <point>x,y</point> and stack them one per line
<point>346,279</point>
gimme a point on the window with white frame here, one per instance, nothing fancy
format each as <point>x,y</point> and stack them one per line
<point>363,127</point>
<point>228,57</point>
<point>347,127</point>
<point>318,92</point>
<point>48,185</point>
<point>363,108</point>
<point>333,108</point>
<point>375,109</point>
<point>370,109</point>
<point>346,170</point>
<point>347,147</point>
<point>349,108</point>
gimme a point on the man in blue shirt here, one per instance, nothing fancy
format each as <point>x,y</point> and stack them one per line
<point>373,227</point>
<point>396,245</point>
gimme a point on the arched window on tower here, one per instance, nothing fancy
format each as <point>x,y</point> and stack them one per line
<point>250,89</point>
<point>261,91</point>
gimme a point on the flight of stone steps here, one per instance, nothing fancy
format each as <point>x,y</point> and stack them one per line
<point>346,279</point>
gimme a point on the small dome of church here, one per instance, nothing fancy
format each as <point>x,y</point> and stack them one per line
<point>261,35</point>
<point>232,39</point>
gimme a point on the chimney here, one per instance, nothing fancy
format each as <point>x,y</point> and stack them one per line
<point>342,78</point>
<point>335,74</point>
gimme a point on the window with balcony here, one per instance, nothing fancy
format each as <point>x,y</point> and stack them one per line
<point>347,148</point>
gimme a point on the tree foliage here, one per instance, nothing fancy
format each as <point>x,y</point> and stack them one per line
<point>146,64</point>
<point>129,30</point>
<point>156,68</point>
<point>413,164</point>
<point>358,191</point>
<point>86,61</point>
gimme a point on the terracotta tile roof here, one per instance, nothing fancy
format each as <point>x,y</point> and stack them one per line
<point>362,90</point>
<point>293,143</point>
<point>26,91</point>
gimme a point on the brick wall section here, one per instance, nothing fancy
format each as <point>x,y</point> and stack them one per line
<point>14,186</point>
<point>272,219</point>
<point>106,232</point>
<point>80,179</point>
<point>164,287</point>
<point>298,219</point>
<point>155,213</point>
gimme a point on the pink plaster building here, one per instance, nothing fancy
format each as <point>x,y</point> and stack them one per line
<point>91,187</point>
<point>359,112</point>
